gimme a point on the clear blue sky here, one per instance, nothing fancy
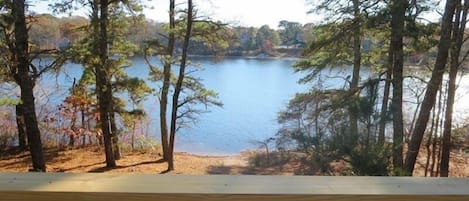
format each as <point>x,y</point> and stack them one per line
<point>236,12</point>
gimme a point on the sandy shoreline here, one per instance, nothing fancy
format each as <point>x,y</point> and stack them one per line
<point>91,159</point>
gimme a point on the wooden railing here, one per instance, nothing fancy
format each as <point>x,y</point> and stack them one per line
<point>108,187</point>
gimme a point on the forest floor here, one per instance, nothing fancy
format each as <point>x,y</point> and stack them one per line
<point>91,159</point>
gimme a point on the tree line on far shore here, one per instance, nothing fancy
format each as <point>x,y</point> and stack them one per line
<point>48,32</point>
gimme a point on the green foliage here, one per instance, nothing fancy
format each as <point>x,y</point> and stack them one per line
<point>332,46</point>
<point>136,88</point>
<point>338,11</point>
<point>194,97</point>
<point>400,172</point>
<point>143,144</point>
<point>317,123</point>
<point>423,40</point>
<point>147,144</point>
<point>370,161</point>
<point>48,31</point>
<point>290,32</point>
<point>6,34</point>
<point>121,18</point>
<point>247,37</point>
<point>6,101</point>
<point>258,160</point>
<point>266,38</point>
<point>366,104</point>
<point>214,35</point>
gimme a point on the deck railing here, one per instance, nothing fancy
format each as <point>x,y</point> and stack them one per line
<point>110,187</point>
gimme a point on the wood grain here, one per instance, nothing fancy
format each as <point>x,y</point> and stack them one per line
<point>64,187</point>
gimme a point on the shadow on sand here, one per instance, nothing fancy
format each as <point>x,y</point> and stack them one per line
<point>277,163</point>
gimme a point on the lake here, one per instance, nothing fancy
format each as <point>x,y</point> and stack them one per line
<point>252,91</point>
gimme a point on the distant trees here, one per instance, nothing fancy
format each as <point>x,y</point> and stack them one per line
<point>49,32</point>
<point>266,39</point>
<point>290,32</point>
<point>247,37</point>
<point>45,32</point>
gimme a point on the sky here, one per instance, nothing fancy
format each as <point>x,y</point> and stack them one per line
<point>235,12</point>
<point>246,12</point>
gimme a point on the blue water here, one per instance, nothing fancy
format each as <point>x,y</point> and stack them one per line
<point>252,91</point>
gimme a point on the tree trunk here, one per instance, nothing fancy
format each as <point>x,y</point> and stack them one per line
<point>103,86</point>
<point>178,87</point>
<point>26,82</point>
<point>90,133</point>
<point>384,108</point>
<point>434,153</point>
<point>166,81</point>
<point>32,129</point>
<point>398,8</point>
<point>459,27</point>
<point>73,127</point>
<point>83,125</point>
<point>132,142</point>
<point>429,142</point>
<point>414,118</point>
<point>438,160</point>
<point>438,108</point>
<point>22,143</point>
<point>432,87</point>
<point>356,72</point>
<point>115,136</point>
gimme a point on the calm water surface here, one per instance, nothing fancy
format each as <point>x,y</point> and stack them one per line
<point>252,91</point>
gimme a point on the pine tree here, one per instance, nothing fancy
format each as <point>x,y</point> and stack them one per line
<point>188,91</point>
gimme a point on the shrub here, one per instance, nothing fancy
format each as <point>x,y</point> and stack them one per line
<point>142,144</point>
<point>370,161</point>
<point>7,139</point>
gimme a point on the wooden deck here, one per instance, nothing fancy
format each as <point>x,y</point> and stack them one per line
<point>109,187</point>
